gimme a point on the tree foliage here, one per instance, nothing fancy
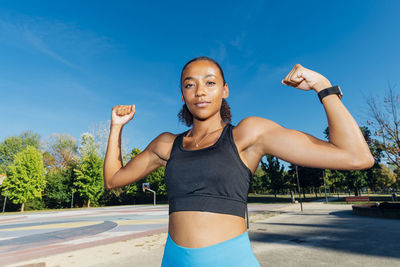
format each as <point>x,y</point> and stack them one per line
<point>310,178</point>
<point>89,172</point>
<point>59,188</point>
<point>385,122</point>
<point>14,144</point>
<point>256,183</point>
<point>61,152</point>
<point>386,177</point>
<point>274,177</point>
<point>25,177</point>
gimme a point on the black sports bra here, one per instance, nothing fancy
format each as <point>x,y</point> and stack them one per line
<point>212,179</point>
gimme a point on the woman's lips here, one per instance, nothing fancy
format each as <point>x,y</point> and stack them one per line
<point>202,104</point>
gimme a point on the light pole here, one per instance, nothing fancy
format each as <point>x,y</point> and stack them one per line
<point>298,185</point>
<point>326,198</point>
<point>5,199</point>
<point>72,199</point>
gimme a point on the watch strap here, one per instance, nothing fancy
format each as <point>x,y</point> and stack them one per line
<point>329,91</point>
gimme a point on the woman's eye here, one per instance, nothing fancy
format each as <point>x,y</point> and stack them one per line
<point>210,83</point>
<point>188,85</point>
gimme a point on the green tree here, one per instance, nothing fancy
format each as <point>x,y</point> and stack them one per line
<point>293,178</point>
<point>356,180</point>
<point>157,182</point>
<point>14,144</point>
<point>89,172</point>
<point>59,187</point>
<point>310,178</point>
<point>61,152</point>
<point>336,180</point>
<point>396,186</point>
<point>256,183</point>
<point>386,177</point>
<point>60,159</point>
<point>274,174</point>
<point>25,177</point>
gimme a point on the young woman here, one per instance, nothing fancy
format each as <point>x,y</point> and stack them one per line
<point>209,167</point>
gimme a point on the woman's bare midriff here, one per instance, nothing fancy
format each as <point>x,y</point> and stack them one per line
<point>196,229</point>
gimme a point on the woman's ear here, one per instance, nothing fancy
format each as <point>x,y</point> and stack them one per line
<point>226,91</point>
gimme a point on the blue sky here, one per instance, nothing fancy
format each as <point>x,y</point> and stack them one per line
<point>65,64</point>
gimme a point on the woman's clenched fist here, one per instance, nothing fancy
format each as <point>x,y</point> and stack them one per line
<point>121,114</point>
<point>306,79</point>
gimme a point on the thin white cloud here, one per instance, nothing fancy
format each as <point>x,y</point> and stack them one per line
<point>66,43</point>
<point>219,53</point>
<point>39,44</point>
<point>238,40</point>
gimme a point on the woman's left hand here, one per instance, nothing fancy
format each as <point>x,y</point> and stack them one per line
<point>306,79</point>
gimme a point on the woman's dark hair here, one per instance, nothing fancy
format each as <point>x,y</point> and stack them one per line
<point>184,114</point>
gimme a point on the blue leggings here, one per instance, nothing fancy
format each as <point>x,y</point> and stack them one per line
<point>236,251</point>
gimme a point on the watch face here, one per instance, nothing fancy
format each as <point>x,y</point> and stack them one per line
<point>340,91</point>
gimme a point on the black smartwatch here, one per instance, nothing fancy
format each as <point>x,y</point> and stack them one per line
<point>329,91</point>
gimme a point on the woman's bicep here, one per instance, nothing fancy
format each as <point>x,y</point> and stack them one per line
<point>301,148</point>
<point>138,167</point>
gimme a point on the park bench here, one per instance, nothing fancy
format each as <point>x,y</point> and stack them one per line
<point>357,199</point>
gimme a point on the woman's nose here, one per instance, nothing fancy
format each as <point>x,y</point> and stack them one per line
<point>200,90</point>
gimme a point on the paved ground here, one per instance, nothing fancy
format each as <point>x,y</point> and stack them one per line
<point>326,235</point>
<point>25,236</point>
<point>323,235</point>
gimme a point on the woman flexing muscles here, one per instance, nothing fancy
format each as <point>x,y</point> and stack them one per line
<point>209,167</point>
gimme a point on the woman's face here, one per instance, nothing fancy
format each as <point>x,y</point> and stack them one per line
<point>202,82</point>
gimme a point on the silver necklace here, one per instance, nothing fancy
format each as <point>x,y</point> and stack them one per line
<point>197,144</point>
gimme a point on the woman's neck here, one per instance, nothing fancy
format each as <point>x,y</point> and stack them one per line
<point>201,128</point>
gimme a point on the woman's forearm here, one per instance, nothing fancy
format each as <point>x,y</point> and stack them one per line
<point>344,132</point>
<point>113,157</point>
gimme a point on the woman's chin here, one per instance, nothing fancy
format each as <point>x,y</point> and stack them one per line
<point>201,116</point>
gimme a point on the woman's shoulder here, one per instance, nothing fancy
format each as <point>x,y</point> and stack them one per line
<point>252,124</point>
<point>165,138</point>
<point>162,144</point>
<point>249,129</point>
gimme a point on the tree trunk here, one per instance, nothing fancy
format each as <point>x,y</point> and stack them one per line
<point>355,192</point>
<point>22,206</point>
<point>88,203</point>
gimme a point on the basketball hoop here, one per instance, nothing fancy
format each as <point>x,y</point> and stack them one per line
<point>145,186</point>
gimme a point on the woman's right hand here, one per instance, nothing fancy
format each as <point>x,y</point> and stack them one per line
<point>121,114</point>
